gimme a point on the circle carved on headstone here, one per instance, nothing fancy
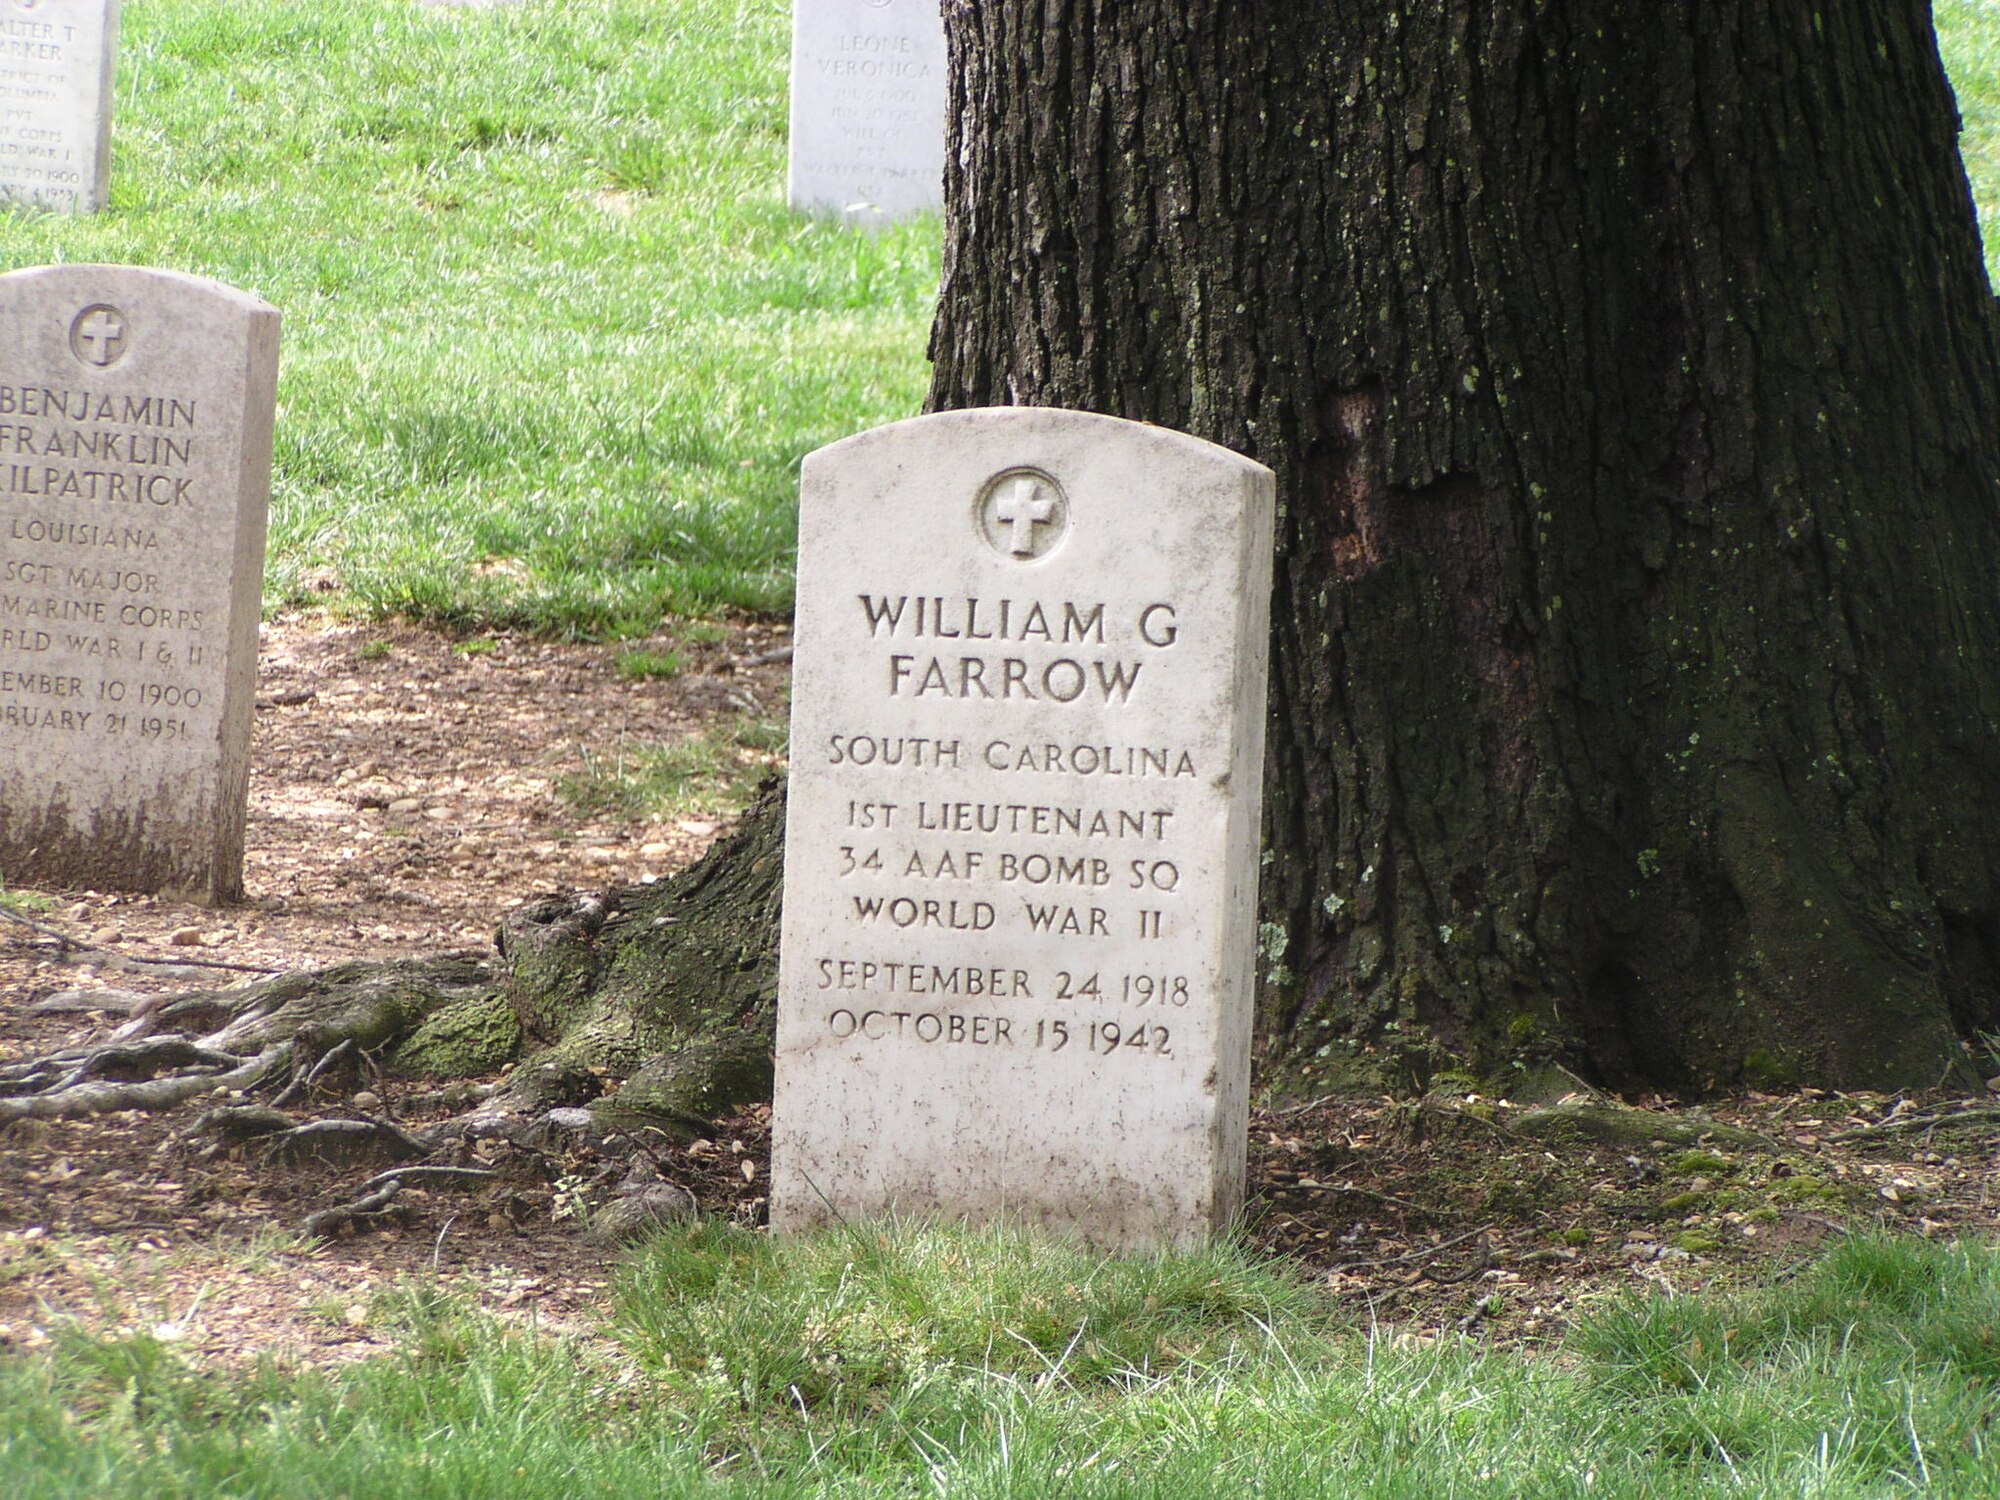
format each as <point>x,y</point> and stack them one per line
<point>1023,514</point>
<point>98,335</point>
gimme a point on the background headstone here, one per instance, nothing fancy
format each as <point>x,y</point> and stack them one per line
<point>135,464</point>
<point>1022,839</point>
<point>56,60</point>
<point>868,96</point>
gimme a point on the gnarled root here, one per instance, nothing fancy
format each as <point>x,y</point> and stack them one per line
<point>651,1004</point>
<point>236,1039</point>
<point>96,1097</point>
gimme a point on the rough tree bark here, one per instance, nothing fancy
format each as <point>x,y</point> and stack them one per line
<point>1629,370</point>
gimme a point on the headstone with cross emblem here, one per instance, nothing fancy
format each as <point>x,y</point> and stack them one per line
<point>136,412</point>
<point>867,119</point>
<point>1022,844</point>
<point>56,61</point>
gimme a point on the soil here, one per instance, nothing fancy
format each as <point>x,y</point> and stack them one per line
<point>407,788</point>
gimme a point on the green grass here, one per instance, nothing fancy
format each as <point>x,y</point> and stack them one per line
<point>922,1361</point>
<point>642,664</point>
<point>553,344</point>
<point>714,774</point>
<point>1969,36</point>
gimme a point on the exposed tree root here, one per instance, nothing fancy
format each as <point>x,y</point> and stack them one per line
<point>229,1125</point>
<point>343,1142</point>
<point>651,1005</point>
<point>376,1205</point>
<point>234,1040</point>
<point>428,1177</point>
<point>375,1199</point>
<point>97,1098</point>
<point>1616,1124</point>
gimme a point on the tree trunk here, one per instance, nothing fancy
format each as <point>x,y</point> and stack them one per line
<point>1630,375</point>
<point>670,987</point>
<point>1629,371</point>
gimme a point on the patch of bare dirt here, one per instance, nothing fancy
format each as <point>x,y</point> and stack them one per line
<point>1481,1215</point>
<point>404,794</point>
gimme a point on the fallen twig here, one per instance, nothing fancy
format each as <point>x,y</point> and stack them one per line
<point>1312,1185</point>
<point>1309,1105</point>
<point>1484,1259</point>
<point>1904,1123</point>
<point>170,968</point>
<point>1424,1252</point>
<point>33,926</point>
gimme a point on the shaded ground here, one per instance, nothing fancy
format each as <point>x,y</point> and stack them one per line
<point>405,793</point>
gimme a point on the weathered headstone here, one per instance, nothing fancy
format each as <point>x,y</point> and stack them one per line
<point>1022,843</point>
<point>868,92</point>
<point>135,463</point>
<point>55,102</point>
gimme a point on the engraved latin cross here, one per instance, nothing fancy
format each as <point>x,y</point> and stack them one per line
<point>1023,506</point>
<point>102,332</point>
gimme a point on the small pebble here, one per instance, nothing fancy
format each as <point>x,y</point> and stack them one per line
<point>367,1101</point>
<point>185,937</point>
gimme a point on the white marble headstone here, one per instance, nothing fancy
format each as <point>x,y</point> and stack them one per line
<point>136,415</point>
<point>56,61</point>
<point>868,96</point>
<point>1021,854</point>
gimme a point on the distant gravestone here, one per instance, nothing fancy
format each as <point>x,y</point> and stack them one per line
<point>135,461</point>
<point>1021,851</point>
<point>55,102</point>
<point>868,96</point>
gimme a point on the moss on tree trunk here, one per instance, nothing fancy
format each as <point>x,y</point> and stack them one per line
<point>670,987</point>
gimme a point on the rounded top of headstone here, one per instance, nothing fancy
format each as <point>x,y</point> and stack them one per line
<point>1055,423</point>
<point>108,282</point>
<point>108,322</point>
